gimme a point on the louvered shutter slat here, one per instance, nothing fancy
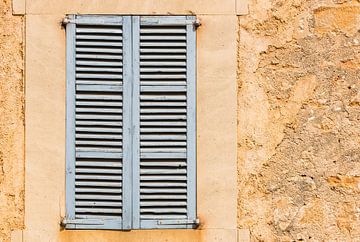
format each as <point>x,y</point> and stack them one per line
<point>163,124</point>
<point>98,123</point>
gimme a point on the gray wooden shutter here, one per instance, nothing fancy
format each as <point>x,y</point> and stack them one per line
<point>164,105</point>
<point>97,125</point>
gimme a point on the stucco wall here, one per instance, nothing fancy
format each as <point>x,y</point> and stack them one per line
<point>298,120</point>
<point>11,122</point>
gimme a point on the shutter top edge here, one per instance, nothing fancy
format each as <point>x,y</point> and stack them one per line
<point>96,19</point>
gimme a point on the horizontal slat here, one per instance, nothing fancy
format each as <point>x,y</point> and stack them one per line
<point>161,63</point>
<point>163,184</point>
<point>161,110</point>
<point>98,56</point>
<point>86,30</point>
<point>157,97</point>
<point>160,143</point>
<point>98,197</point>
<point>111,164</point>
<point>98,63</point>
<point>104,50</point>
<point>162,203</point>
<point>98,204</point>
<point>163,178</point>
<point>163,155</point>
<point>97,190</point>
<point>162,123</point>
<point>162,137</point>
<point>154,57</point>
<point>98,149</point>
<point>162,104</point>
<point>162,190</point>
<point>162,171</point>
<point>162,149</point>
<point>163,197</point>
<point>162,69</point>
<point>98,155</point>
<point>154,30</point>
<point>99,69</point>
<point>110,82</point>
<point>97,177</point>
<point>163,130</point>
<point>159,50</point>
<point>163,76</point>
<point>98,143</point>
<point>99,43</point>
<point>97,210</point>
<point>162,117</point>
<point>97,184</point>
<point>163,44</point>
<point>98,76</point>
<point>98,103</point>
<point>98,136</point>
<point>168,216</point>
<point>150,82</point>
<point>163,163</point>
<point>162,37</point>
<point>98,171</point>
<point>98,36</point>
<point>163,210</point>
<point>163,89</point>
<point>98,117</point>
<point>99,130</point>
<point>103,20</point>
<point>99,123</point>
<point>98,110</point>
<point>98,97</point>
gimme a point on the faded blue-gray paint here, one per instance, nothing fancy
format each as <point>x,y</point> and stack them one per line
<point>131,89</point>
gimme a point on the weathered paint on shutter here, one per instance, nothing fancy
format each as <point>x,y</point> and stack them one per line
<point>98,130</point>
<point>164,114</point>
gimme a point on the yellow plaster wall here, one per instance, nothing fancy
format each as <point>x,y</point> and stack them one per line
<point>45,122</point>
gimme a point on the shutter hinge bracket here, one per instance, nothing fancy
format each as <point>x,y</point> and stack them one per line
<point>195,222</point>
<point>66,20</point>
<point>197,23</point>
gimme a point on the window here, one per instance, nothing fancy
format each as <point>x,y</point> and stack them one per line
<point>131,122</point>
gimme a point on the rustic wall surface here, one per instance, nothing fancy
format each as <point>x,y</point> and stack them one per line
<point>11,122</point>
<point>299,120</point>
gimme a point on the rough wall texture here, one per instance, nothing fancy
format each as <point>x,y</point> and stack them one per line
<point>11,122</point>
<point>299,120</point>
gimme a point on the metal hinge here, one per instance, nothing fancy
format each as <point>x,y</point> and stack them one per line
<point>195,222</point>
<point>197,23</point>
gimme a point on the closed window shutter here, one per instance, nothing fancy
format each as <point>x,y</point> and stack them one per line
<point>131,122</point>
<point>164,174</point>
<point>95,110</point>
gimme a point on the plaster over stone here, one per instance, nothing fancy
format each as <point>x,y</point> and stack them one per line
<point>11,122</point>
<point>298,120</point>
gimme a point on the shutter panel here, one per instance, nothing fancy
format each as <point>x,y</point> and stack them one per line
<point>95,124</point>
<point>164,173</point>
